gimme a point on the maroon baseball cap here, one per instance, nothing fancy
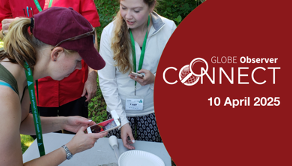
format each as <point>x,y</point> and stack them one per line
<point>56,24</point>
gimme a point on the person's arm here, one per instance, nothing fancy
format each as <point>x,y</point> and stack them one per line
<point>109,87</point>
<point>49,124</point>
<point>10,147</point>
<point>107,78</point>
<point>5,26</point>
<point>90,86</point>
<point>10,144</point>
<point>88,10</point>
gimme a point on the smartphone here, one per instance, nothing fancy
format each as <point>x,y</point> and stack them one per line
<point>137,74</point>
<point>107,125</point>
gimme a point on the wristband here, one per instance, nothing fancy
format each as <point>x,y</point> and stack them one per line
<point>69,155</point>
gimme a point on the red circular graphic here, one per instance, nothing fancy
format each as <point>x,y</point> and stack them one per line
<point>238,114</point>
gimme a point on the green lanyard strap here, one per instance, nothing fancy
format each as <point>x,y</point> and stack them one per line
<point>36,117</point>
<point>143,49</point>
<point>39,6</point>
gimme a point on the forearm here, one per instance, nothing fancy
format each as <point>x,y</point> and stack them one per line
<point>49,124</point>
<point>92,74</point>
<point>96,42</point>
<point>52,159</point>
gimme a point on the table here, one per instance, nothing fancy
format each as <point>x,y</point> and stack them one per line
<point>101,153</point>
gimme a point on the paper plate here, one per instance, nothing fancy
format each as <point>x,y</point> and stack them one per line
<point>139,158</point>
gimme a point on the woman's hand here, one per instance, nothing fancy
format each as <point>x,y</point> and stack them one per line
<point>6,23</point>
<point>125,132</point>
<point>90,86</point>
<point>82,141</point>
<point>74,123</point>
<point>148,78</point>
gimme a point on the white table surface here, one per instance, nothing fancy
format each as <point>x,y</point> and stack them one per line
<point>100,154</point>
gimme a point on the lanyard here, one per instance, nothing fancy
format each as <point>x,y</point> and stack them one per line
<point>36,117</point>
<point>142,53</point>
<point>39,6</point>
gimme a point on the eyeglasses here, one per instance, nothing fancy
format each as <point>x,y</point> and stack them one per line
<point>78,37</point>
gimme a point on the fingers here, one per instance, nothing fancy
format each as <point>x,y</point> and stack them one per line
<point>131,137</point>
<point>96,136</point>
<point>84,92</point>
<point>138,79</point>
<point>82,129</point>
<point>91,123</point>
<point>83,121</point>
<point>143,71</point>
<point>127,143</point>
<point>6,23</point>
<point>125,132</point>
<point>9,20</point>
<point>89,96</point>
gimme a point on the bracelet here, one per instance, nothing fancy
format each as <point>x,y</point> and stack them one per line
<point>69,155</point>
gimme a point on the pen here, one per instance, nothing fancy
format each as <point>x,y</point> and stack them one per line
<point>24,12</point>
<point>31,11</point>
<point>27,11</point>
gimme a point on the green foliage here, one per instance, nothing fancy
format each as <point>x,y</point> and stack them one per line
<point>97,107</point>
<point>26,141</point>
<point>107,10</point>
<point>176,10</point>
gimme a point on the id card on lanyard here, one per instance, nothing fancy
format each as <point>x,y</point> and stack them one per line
<point>137,104</point>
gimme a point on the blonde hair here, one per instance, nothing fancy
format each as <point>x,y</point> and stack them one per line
<point>20,46</point>
<point>120,43</point>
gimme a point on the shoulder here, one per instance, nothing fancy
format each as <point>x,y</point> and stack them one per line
<point>107,32</point>
<point>109,28</point>
<point>168,22</point>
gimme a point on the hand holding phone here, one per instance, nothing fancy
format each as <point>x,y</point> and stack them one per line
<point>107,125</point>
<point>137,75</point>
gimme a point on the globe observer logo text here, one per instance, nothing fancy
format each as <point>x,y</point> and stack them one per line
<point>189,78</point>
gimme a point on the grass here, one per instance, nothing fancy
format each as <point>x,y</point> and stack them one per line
<point>26,141</point>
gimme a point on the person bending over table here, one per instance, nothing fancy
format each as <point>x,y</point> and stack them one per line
<point>70,96</point>
<point>53,43</point>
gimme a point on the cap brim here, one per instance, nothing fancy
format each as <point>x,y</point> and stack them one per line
<point>92,58</point>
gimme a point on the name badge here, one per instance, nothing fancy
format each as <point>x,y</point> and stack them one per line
<point>134,104</point>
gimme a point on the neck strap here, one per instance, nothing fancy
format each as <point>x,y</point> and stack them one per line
<point>36,117</point>
<point>143,49</point>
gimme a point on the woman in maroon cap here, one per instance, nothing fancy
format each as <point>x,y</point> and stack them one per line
<point>134,41</point>
<point>53,43</point>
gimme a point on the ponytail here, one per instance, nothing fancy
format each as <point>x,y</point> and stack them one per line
<point>120,45</point>
<point>19,45</point>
